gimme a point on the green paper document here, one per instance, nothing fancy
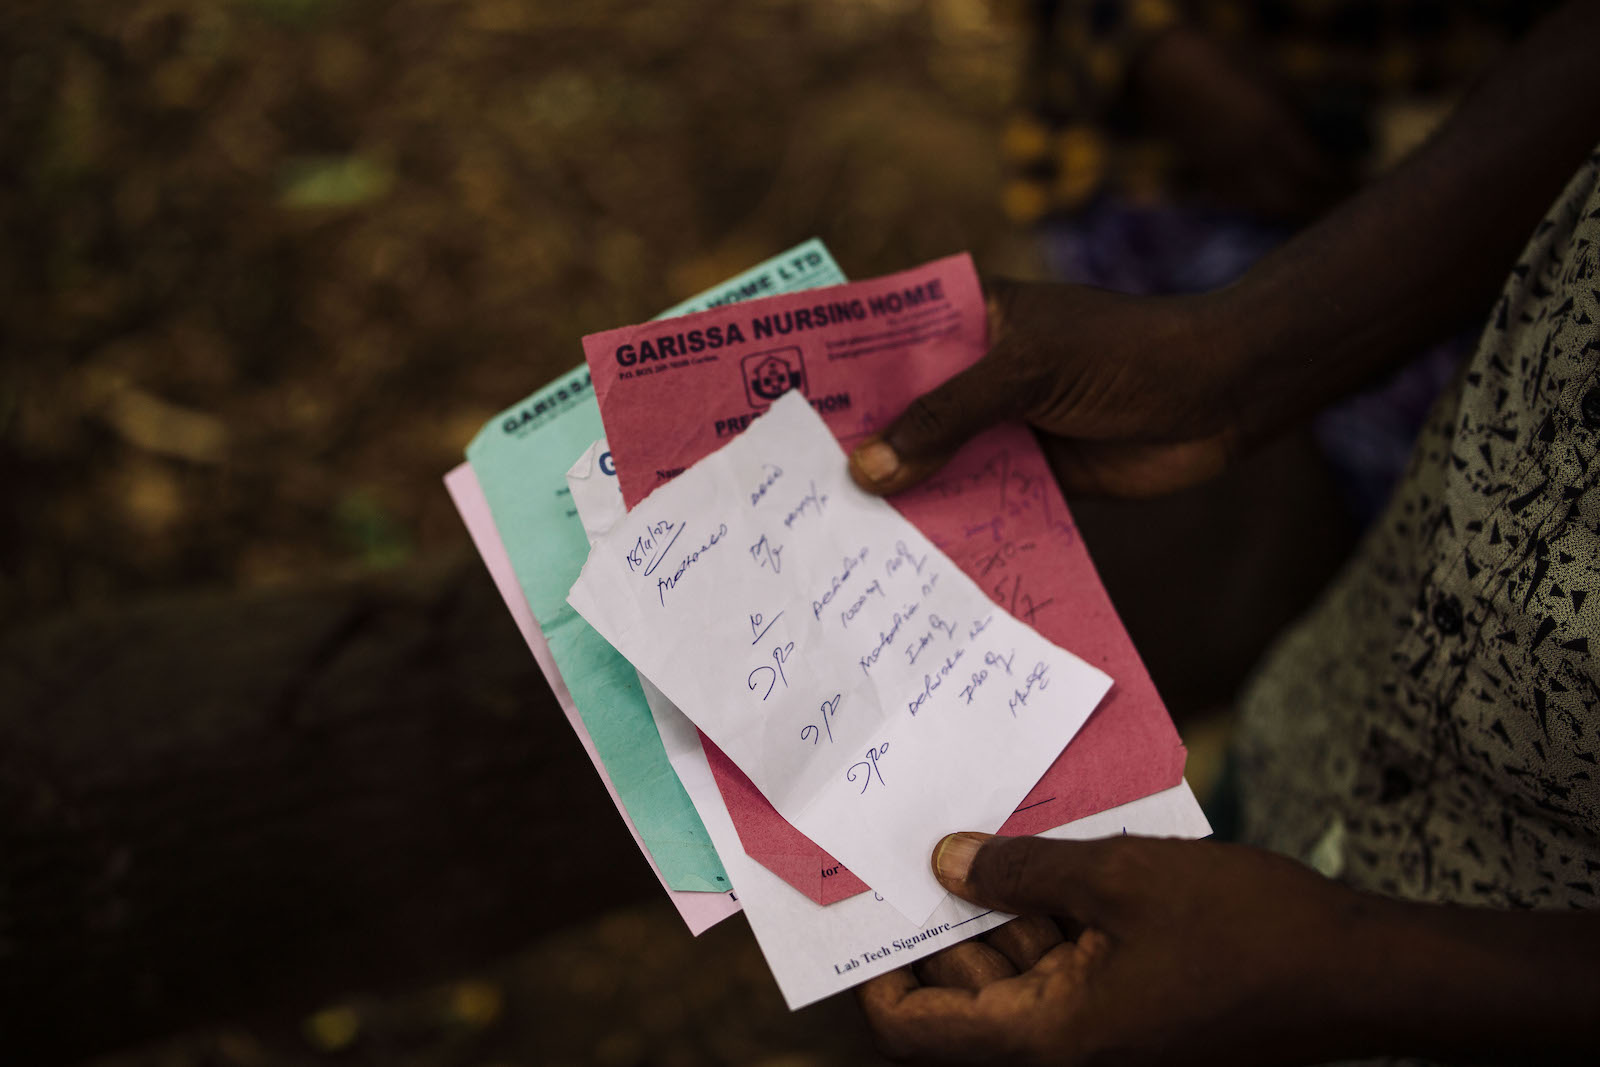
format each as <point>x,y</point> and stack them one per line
<point>521,459</point>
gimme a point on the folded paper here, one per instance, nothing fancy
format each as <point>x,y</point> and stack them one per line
<point>815,951</point>
<point>871,690</point>
<point>860,353</point>
<point>763,832</point>
<point>699,910</point>
<point>520,458</point>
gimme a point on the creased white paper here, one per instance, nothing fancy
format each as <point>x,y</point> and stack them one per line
<point>816,951</point>
<point>868,688</point>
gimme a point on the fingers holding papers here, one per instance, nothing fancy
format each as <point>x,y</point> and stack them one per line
<point>1024,940</point>
<point>969,965</point>
<point>943,1023</point>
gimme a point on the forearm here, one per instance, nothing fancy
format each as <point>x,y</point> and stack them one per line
<point>1421,252</point>
<point>1471,983</point>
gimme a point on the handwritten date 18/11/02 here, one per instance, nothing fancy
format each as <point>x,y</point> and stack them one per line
<point>652,546</point>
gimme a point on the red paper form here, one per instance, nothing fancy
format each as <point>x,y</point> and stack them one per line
<point>671,392</point>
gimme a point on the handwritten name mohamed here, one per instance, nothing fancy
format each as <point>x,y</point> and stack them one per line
<point>654,546</point>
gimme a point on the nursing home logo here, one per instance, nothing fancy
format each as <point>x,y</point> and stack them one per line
<point>768,375</point>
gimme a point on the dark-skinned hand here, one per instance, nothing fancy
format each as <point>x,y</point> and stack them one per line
<point>1182,952</point>
<point>1134,395</point>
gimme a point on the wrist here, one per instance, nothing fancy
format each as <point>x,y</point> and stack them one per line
<point>1333,994</point>
<point>1224,351</point>
<point>1375,976</point>
<point>1449,981</point>
<point>1278,351</point>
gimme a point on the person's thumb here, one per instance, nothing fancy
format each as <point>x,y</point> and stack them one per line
<point>933,428</point>
<point>1024,875</point>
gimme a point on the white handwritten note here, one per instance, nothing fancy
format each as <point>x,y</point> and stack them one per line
<point>869,689</point>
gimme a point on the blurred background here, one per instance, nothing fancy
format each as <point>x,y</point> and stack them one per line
<point>271,263</point>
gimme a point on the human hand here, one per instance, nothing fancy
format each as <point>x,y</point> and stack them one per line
<point>1185,951</point>
<point>1136,395</point>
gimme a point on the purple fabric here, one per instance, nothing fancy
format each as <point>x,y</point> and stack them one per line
<point>1156,249</point>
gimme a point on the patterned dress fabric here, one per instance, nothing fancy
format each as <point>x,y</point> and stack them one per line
<point>1432,729</point>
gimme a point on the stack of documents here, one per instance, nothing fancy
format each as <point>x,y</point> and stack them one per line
<point>793,689</point>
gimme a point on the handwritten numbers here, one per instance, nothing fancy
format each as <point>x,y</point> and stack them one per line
<point>759,625</point>
<point>758,629</point>
<point>868,767</point>
<point>828,710</point>
<point>1003,556</point>
<point>650,547</point>
<point>1009,594</point>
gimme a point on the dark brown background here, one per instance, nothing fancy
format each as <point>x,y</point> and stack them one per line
<point>270,264</point>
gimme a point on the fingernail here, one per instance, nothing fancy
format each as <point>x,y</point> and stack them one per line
<point>952,859</point>
<point>877,461</point>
